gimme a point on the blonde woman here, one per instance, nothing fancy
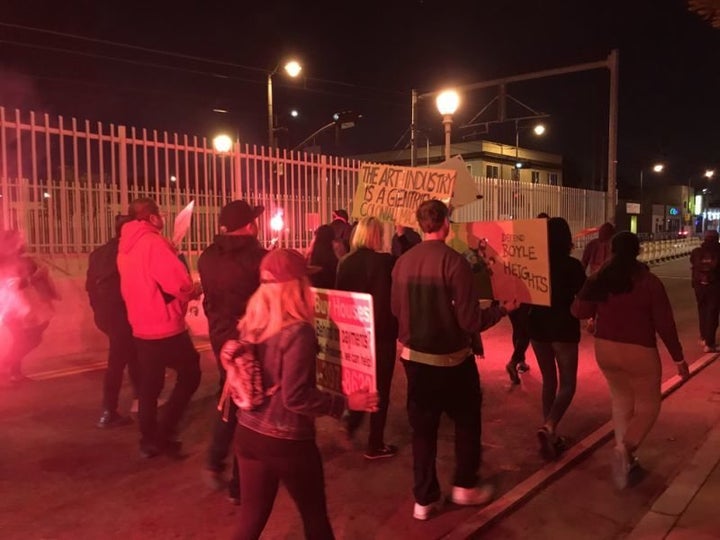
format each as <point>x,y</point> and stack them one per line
<point>367,270</point>
<point>276,442</point>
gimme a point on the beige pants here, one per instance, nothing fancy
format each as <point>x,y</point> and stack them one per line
<point>633,375</point>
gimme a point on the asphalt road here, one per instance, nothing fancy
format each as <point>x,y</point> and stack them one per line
<point>61,477</point>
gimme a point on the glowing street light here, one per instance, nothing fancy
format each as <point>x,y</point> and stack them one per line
<point>709,174</point>
<point>447,103</point>
<point>539,129</point>
<point>658,167</point>
<point>222,143</point>
<point>293,69</point>
<point>294,113</point>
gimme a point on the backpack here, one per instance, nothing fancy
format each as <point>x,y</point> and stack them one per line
<point>707,266</point>
<point>103,285</point>
<point>244,383</point>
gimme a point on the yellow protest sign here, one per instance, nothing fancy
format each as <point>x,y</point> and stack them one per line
<point>509,258</point>
<point>393,193</point>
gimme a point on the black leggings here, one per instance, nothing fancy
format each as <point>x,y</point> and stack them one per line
<point>264,462</point>
<point>556,358</point>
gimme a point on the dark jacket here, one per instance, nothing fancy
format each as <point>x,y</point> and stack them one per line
<point>635,316</point>
<point>230,273</point>
<point>435,300</point>
<point>556,323</point>
<point>367,271</point>
<point>102,284</point>
<point>705,264</point>
<point>343,233</point>
<point>403,242</point>
<point>288,360</point>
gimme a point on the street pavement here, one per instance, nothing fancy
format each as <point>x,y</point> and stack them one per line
<point>61,477</point>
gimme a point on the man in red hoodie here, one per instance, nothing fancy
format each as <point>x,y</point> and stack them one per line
<point>156,288</point>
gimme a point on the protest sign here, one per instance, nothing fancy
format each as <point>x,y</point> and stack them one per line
<point>345,331</point>
<point>393,193</point>
<point>509,258</point>
<point>464,190</point>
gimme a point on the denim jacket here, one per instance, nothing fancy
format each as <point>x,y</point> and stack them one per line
<point>288,359</point>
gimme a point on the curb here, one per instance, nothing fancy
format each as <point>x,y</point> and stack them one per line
<point>529,487</point>
<point>670,506</point>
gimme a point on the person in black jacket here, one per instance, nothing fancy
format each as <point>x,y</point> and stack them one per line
<point>555,334</point>
<point>230,274</point>
<point>342,231</point>
<point>110,314</point>
<point>705,266</point>
<point>366,270</point>
<point>323,256</point>
<point>403,239</point>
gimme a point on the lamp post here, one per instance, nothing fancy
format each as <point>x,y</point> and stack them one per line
<point>447,103</point>
<point>538,129</point>
<point>293,69</point>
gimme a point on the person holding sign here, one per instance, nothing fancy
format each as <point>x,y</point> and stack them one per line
<point>555,335</point>
<point>437,304</point>
<point>275,442</point>
<point>366,270</point>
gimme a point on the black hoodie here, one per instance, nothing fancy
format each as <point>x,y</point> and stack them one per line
<point>230,274</point>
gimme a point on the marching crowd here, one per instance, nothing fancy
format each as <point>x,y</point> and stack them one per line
<point>427,315</point>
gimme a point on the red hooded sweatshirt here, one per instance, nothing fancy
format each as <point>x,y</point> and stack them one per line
<point>154,283</point>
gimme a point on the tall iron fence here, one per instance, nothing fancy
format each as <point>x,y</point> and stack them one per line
<point>62,182</point>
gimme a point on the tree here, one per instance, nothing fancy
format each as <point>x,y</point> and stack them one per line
<point>707,9</point>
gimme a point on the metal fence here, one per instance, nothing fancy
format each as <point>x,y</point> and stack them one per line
<point>63,181</point>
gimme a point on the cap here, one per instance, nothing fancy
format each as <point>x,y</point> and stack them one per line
<point>342,214</point>
<point>281,265</point>
<point>236,214</point>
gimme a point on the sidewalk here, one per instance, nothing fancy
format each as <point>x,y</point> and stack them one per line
<point>676,498</point>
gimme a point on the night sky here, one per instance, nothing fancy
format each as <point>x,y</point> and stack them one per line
<point>367,59</point>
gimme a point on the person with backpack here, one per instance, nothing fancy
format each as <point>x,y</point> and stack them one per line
<point>275,436</point>
<point>102,284</point>
<point>705,267</point>
<point>230,273</point>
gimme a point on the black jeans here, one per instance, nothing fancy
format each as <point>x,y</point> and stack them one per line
<point>264,463</point>
<point>708,304</point>
<point>154,355</point>
<point>122,353</point>
<point>431,391</point>
<point>385,352</point>
<point>520,336</point>
<point>556,357</point>
<point>222,438</point>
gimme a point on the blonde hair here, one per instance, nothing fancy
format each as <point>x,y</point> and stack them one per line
<point>368,234</point>
<point>275,306</point>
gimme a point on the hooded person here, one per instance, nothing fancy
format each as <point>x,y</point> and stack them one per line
<point>156,288</point>
<point>598,250</point>
<point>230,273</point>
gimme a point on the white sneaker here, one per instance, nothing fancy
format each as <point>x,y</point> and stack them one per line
<point>620,467</point>
<point>475,496</point>
<point>425,512</point>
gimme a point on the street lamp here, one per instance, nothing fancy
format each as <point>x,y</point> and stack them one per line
<point>447,103</point>
<point>709,174</point>
<point>222,143</point>
<point>658,168</point>
<point>539,130</point>
<point>293,69</point>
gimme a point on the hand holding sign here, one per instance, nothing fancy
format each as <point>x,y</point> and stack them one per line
<point>363,400</point>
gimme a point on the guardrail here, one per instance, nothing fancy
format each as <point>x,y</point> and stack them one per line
<point>657,251</point>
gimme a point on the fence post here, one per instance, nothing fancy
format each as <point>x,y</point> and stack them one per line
<point>122,171</point>
<point>237,171</point>
<point>324,212</point>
